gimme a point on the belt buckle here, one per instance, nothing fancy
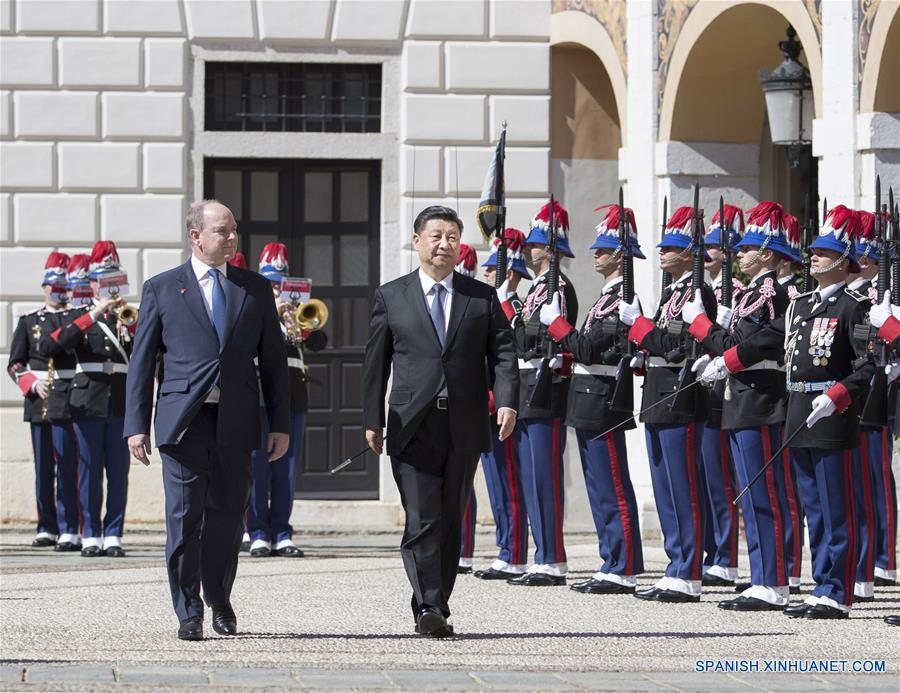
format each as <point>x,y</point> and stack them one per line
<point>108,367</point>
<point>441,403</point>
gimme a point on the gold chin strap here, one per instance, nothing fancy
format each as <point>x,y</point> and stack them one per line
<point>833,265</point>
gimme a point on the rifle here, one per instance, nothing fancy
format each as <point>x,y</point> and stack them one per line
<point>500,274</point>
<point>686,403</point>
<point>809,229</point>
<point>666,276</point>
<point>540,396</point>
<point>895,249</point>
<point>725,245</point>
<point>623,394</point>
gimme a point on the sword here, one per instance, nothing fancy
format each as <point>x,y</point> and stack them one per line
<point>769,463</point>
<point>346,463</point>
<point>644,411</point>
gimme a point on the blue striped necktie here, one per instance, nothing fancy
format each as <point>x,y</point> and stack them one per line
<point>218,305</point>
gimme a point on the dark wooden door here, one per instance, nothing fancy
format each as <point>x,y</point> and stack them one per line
<point>327,214</point>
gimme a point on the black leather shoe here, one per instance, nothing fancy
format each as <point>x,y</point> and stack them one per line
<point>191,629</point>
<point>43,542</point>
<point>716,581</point>
<point>67,546</point>
<point>648,595</point>
<point>115,552</point>
<point>537,580</point>
<point>798,610</point>
<point>748,604</point>
<point>491,574</point>
<point>91,552</point>
<point>742,586</point>
<point>224,622</point>
<point>822,611</point>
<point>463,569</point>
<point>288,552</point>
<point>245,546</point>
<point>431,622</point>
<point>260,552</point>
<point>892,620</point>
<point>794,589</point>
<point>676,597</point>
<point>593,586</point>
<point>885,582</point>
<point>864,599</point>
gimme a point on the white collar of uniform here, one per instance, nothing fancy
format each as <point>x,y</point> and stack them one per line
<point>201,268</point>
<point>613,284</point>
<point>542,277</point>
<point>428,283</point>
<point>827,292</point>
<point>717,282</point>
<point>686,277</point>
<point>51,309</point>
<point>856,283</point>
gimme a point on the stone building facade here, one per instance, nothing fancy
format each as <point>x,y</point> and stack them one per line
<point>105,135</point>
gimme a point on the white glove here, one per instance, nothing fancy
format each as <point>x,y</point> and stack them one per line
<point>723,316</point>
<point>701,363</point>
<point>822,406</point>
<point>637,361</point>
<point>555,363</point>
<point>550,311</point>
<point>716,370</point>
<point>629,312</point>
<point>892,370</point>
<point>880,312</point>
<point>693,309</point>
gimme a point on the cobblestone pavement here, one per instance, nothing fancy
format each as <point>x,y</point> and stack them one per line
<point>339,620</point>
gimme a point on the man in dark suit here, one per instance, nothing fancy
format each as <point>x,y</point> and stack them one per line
<point>203,323</point>
<point>438,330</point>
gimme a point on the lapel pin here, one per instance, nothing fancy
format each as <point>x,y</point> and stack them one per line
<point>183,290</point>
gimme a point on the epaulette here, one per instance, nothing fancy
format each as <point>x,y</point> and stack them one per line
<point>856,295</point>
<point>516,304</point>
<point>33,312</point>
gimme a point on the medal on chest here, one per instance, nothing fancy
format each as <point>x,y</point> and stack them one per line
<point>820,340</point>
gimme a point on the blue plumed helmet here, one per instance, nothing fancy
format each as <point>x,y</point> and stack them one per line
<point>839,233</point>
<point>769,226</point>
<point>678,229</point>
<point>468,260</point>
<point>515,257</point>
<point>539,233</point>
<point>273,262</point>
<point>867,244</point>
<point>608,231</point>
<point>734,222</point>
<point>55,268</point>
<point>78,271</point>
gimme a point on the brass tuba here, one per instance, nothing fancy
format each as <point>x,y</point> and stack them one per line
<point>312,315</point>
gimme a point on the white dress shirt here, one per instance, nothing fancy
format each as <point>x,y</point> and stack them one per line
<point>447,298</point>
<point>201,271</point>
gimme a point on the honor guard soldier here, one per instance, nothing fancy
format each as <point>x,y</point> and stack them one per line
<point>826,378</point>
<point>101,338</point>
<point>467,265</point>
<point>721,532</point>
<point>501,468</point>
<point>876,498</point>
<point>272,487</point>
<point>673,436</point>
<point>597,353</point>
<point>753,406</point>
<point>44,383</point>
<point>540,428</point>
<point>785,270</point>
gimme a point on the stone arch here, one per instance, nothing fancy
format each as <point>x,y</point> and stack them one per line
<point>880,90</point>
<point>694,35</point>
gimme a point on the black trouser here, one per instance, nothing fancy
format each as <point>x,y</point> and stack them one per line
<point>207,488</point>
<point>434,482</point>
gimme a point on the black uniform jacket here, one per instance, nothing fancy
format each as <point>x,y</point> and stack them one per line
<point>299,375</point>
<point>530,339</point>
<point>600,342</point>
<point>26,358</point>
<point>402,340</point>
<point>654,337</point>
<point>835,318</point>
<point>755,397</point>
<point>95,392</point>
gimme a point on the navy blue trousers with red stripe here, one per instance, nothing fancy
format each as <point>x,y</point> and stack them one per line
<point>504,485</point>
<point>55,477</point>
<point>825,479</point>
<point>540,444</point>
<point>794,523</point>
<point>876,449</point>
<point>470,515</point>
<point>720,542</point>
<point>101,448</point>
<point>612,501</point>
<point>674,452</point>
<point>765,506</point>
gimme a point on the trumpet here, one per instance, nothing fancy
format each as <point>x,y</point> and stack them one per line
<point>312,315</point>
<point>125,313</point>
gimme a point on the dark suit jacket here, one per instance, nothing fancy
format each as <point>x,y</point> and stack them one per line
<point>175,330</point>
<point>401,335</point>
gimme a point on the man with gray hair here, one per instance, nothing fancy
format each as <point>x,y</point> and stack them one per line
<point>201,326</point>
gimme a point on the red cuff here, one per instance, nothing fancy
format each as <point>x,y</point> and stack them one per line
<point>508,310</point>
<point>565,371</point>
<point>559,328</point>
<point>25,381</point>
<point>700,327</point>
<point>55,334</point>
<point>890,330</point>
<point>733,361</point>
<point>641,328</point>
<point>840,395</point>
<point>84,322</point>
